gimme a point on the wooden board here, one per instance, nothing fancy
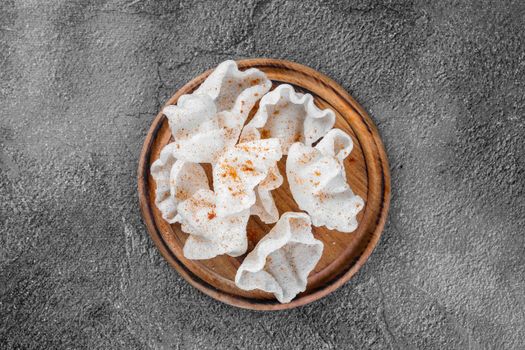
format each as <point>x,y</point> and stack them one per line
<point>344,253</point>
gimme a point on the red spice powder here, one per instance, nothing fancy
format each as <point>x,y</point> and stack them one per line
<point>265,133</point>
<point>182,195</point>
<point>322,196</point>
<point>306,158</point>
<point>229,171</point>
<point>248,166</point>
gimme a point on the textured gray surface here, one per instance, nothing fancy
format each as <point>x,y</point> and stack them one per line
<point>81,81</point>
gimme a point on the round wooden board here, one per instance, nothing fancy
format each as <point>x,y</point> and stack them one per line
<point>344,253</point>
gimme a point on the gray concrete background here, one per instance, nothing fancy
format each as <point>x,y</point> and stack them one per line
<point>80,83</point>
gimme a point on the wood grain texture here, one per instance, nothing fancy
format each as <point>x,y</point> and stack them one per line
<point>344,253</point>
